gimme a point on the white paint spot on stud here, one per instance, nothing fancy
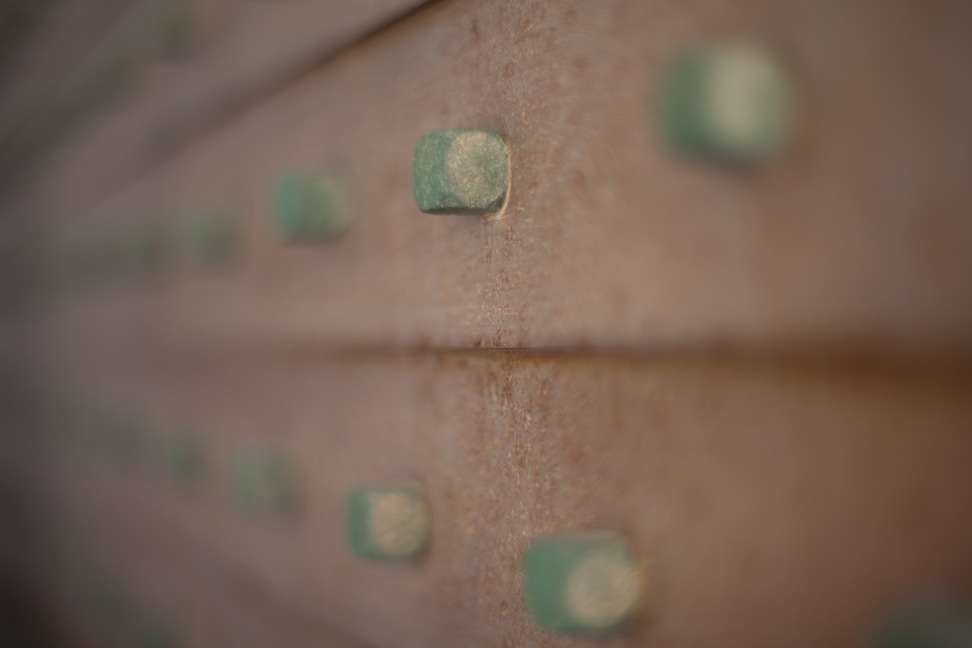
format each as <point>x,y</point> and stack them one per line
<point>602,589</point>
<point>399,523</point>
<point>469,163</point>
<point>746,98</point>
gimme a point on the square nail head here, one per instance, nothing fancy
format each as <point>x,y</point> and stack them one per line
<point>732,102</point>
<point>311,208</point>
<point>585,582</point>
<point>461,171</point>
<point>389,523</point>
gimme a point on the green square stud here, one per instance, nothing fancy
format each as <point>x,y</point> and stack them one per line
<point>266,482</point>
<point>389,523</point>
<point>583,582</point>
<point>311,208</point>
<point>731,102</point>
<point>461,172</point>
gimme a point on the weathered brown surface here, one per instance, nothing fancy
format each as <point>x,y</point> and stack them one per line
<point>772,503</point>
<point>859,234</point>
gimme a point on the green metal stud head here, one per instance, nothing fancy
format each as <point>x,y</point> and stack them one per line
<point>266,482</point>
<point>389,523</point>
<point>311,208</point>
<point>732,102</point>
<point>461,172</point>
<point>581,582</point>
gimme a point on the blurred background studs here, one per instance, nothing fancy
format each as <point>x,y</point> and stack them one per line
<point>98,84</point>
<point>175,28</point>
<point>142,250</point>
<point>461,172</point>
<point>104,598</point>
<point>389,523</point>
<point>154,633</point>
<point>731,102</point>
<point>213,239</point>
<point>942,625</point>
<point>123,438</point>
<point>183,460</point>
<point>266,481</point>
<point>766,374</point>
<point>311,208</point>
<point>584,582</point>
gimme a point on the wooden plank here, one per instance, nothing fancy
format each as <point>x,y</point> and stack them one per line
<point>857,235</point>
<point>773,503</point>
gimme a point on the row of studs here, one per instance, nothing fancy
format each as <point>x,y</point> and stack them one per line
<point>164,30</point>
<point>578,582</point>
<point>731,103</point>
<point>134,252</point>
<point>583,582</point>
<point>32,415</point>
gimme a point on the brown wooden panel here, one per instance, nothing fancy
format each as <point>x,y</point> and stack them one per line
<point>773,503</point>
<point>857,235</point>
<point>778,497</point>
